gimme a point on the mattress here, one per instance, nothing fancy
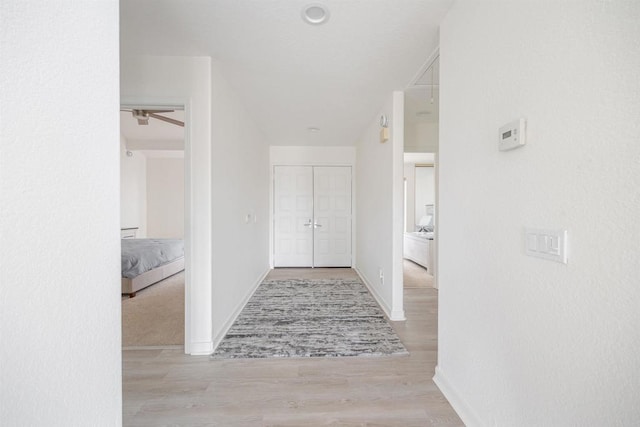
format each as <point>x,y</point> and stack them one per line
<point>428,235</point>
<point>142,255</point>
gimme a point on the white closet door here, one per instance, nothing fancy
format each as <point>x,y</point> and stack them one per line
<point>332,214</point>
<point>293,216</point>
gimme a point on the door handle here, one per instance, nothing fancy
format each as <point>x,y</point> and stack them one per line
<point>308,224</point>
<point>316,225</point>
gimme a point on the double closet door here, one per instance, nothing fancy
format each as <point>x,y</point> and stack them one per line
<point>312,216</point>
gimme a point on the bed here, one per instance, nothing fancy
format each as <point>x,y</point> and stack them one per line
<point>148,261</point>
<point>418,245</point>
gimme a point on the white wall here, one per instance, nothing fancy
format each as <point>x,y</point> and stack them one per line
<point>379,208</point>
<point>421,137</point>
<point>156,80</point>
<point>60,355</point>
<point>133,189</point>
<point>524,341</point>
<point>410,196</point>
<point>165,197</point>
<point>425,190</point>
<point>300,156</point>
<point>420,192</point>
<point>240,187</point>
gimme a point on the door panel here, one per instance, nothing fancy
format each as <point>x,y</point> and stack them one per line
<point>332,209</point>
<point>312,216</point>
<point>293,208</point>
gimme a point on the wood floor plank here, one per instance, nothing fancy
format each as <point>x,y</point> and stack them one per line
<point>166,387</point>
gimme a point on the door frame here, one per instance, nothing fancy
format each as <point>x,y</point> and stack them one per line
<point>312,156</point>
<point>188,210</point>
<point>312,216</point>
<point>435,56</point>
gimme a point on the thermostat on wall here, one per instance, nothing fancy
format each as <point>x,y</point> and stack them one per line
<point>512,135</point>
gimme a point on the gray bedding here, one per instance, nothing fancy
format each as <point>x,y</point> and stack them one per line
<point>142,255</point>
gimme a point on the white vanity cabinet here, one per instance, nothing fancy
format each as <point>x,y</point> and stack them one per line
<point>418,247</point>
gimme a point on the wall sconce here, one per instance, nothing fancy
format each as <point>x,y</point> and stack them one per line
<point>384,132</point>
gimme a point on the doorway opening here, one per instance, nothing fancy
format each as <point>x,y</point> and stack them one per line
<point>154,189</point>
<point>421,140</point>
<point>312,216</point>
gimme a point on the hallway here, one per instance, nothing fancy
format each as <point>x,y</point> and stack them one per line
<point>168,387</point>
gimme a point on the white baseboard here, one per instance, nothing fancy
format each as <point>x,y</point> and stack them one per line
<point>462,408</point>
<point>154,347</point>
<point>398,316</point>
<point>201,348</point>
<point>392,315</point>
<point>232,318</point>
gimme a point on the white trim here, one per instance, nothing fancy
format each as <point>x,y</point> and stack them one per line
<point>428,63</point>
<point>232,318</point>
<point>306,156</point>
<point>462,408</point>
<point>397,206</point>
<point>153,347</point>
<point>201,348</point>
<point>395,316</point>
<point>434,267</point>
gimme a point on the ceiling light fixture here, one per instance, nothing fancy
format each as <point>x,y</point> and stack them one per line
<point>315,14</point>
<point>313,130</point>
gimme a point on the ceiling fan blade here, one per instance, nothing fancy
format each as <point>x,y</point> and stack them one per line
<point>167,119</point>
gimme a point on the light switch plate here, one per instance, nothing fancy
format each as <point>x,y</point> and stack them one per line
<point>546,244</point>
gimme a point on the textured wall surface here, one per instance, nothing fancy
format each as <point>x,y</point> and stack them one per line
<point>379,208</point>
<point>60,362</point>
<point>240,187</point>
<point>524,341</point>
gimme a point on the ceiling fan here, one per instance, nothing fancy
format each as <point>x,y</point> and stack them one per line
<point>143,116</point>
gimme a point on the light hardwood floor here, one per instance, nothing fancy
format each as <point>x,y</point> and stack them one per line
<point>166,387</point>
<point>416,276</point>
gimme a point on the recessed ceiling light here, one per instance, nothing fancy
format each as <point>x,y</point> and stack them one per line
<point>313,129</point>
<point>315,14</point>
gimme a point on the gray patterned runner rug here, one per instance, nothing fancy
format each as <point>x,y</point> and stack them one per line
<point>310,318</point>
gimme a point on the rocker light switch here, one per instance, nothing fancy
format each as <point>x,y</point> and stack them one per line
<point>546,244</point>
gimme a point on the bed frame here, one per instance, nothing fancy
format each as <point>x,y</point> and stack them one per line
<point>132,286</point>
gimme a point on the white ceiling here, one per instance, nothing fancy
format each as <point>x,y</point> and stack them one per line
<point>157,135</point>
<point>418,107</point>
<point>422,98</point>
<point>291,75</point>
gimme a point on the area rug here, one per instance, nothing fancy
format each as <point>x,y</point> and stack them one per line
<point>310,318</point>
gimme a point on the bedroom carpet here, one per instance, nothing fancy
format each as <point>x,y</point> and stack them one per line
<point>416,276</point>
<point>155,316</point>
<point>319,317</point>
